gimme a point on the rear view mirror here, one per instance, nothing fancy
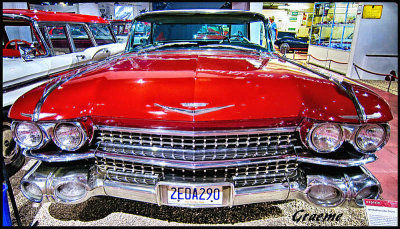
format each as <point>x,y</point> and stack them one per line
<point>101,54</point>
<point>143,41</point>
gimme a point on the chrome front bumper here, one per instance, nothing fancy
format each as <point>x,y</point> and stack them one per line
<point>49,178</point>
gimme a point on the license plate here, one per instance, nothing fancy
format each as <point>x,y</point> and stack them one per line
<point>204,195</point>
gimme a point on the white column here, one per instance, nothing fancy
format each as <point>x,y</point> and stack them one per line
<point>255,28</point>
<point>89,9</point>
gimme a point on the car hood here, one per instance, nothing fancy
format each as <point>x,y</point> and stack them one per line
<point>218,86</point>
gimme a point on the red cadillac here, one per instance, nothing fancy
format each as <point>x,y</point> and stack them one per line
<point>201,123</point>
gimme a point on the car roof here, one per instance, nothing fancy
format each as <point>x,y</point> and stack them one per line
<point>40,15</point>
<point>154,15</point>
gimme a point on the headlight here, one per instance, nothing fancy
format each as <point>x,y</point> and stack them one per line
<point>28,135</point>
<point>68,136</point>
<point>326,138</point>
<point>370,137</point>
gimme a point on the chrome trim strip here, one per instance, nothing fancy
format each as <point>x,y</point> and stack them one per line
<point>58,156</point>
<point>62,156</point>
<point>371,116</point>
<point>196,133</point>
<point>42,115</point>
<point>193,151</point>
<point>360,109</point>
<point>193,164</point>
<point>192,112</point>
<point>339,163</point>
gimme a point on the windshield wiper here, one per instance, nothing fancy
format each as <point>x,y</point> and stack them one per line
<point>167,45</point>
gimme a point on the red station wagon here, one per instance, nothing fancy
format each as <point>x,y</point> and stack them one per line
<point>195,123</point>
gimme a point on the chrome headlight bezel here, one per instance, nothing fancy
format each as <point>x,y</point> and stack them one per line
<point>350,132</point>
<point>81,130</point>
<point>311,144</point>
<point>383,142</point>
<point>44,136</point>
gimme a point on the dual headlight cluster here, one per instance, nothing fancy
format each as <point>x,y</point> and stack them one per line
<point>328,137</point>
<point>68,136</point>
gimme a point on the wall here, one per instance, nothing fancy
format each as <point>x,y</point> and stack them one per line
<point>375,37</point>
<point>89,9</point>
<point>240,5</point>
<point>106,10</point>
<point>55,8</point>
<point>15,5</point>
<point>282,18</point>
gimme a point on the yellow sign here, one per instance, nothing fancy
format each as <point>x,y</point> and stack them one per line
<point>372,11</point>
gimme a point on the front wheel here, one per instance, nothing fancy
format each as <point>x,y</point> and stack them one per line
<point>13,158</point>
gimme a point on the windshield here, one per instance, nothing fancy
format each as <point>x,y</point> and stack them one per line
<point>20,34</point>
<point>102,33</point>
<point>240,32</point>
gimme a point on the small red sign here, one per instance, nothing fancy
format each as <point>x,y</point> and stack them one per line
<point>381,203</point>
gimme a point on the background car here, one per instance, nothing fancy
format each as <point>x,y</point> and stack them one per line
<point>290,41</point>
<point>38,45</point>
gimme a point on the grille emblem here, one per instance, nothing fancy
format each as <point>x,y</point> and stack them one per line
<point>193,105</point>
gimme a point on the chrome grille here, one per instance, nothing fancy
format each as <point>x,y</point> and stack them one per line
<point>275,171</point>
<point>196,148</point>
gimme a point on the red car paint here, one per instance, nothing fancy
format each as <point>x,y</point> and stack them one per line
<point>40,15</point>
<point>123,93</point>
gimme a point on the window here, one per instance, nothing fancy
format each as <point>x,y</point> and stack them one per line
<point>21,34</point>
<point>80,37</point>
<point>102,33</point>
<point>59,41</point>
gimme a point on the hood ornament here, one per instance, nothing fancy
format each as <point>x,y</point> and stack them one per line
<point>193,105</point>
